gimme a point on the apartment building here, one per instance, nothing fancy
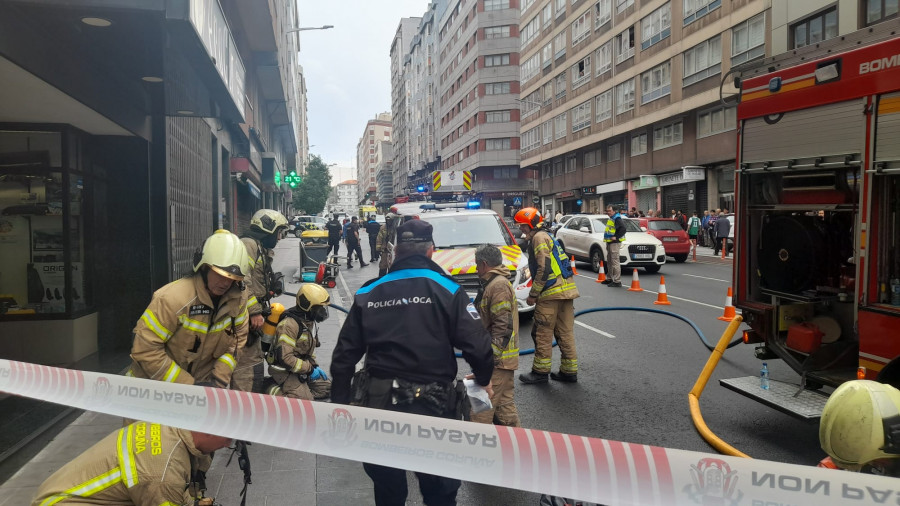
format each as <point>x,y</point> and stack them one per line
<point>622,99</point>
<point>384,176</point>
<point>478,101</point>
<point>400,92</point>
<point>343,198</point>
<point>802,23</point>
<point>377,130</point>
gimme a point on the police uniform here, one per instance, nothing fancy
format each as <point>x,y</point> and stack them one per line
<point>248,373</point>
<point>293,359</point>
<point>408,323</point>
<point>613,235</point>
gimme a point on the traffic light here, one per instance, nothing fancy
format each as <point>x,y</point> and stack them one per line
<point>292,179</point>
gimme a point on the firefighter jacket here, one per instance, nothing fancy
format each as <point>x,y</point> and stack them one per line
<point>384,245</point>
<point>297,342</point>
<point>257,280</point>
<point>543,262</point>
<point>144,464</point>
<point>183,337</point>
<point>407,323</point>
<point>496,303</point>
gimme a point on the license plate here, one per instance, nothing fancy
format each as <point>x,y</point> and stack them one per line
<point>670,239</point>
<point>642,256</point>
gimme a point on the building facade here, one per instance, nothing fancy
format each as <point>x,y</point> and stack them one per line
<point>802,23</point>
<point>384,175</point>
<point>400,63</point>
<point>377,130</point>
<point>343,198</point>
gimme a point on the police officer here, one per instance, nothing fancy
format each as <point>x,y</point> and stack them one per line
<point>613,236</point>
<point>267,226</point>
<point>372,228</point>
<point>407,323</point>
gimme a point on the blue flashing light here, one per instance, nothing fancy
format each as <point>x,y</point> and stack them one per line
<point>420,188</point>
<point>473,204</point>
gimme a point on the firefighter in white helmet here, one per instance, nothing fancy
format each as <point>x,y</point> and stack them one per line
<point>860,428</point>
<point>266,228</point>
<point>292,360</point>
<point>193,328</point>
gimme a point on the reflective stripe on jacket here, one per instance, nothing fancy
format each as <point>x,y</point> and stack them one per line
<point>255,281</point>
<point>547,281</point>
<point>612,234</point>
<point>496,303</point>
<point>295,347</point>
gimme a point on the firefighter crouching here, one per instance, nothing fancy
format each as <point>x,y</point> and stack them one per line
<point>292,360</point>
<point>141,463</point>
<point>266,228</point>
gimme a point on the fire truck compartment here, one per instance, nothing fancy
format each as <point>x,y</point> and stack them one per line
<point>788,398</point>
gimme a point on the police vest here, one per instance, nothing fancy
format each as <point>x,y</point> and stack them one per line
<point>609,235</point>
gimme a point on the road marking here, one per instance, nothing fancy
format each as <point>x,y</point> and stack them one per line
<point>704,277</point>
<point>691,301</point>
<point>605,334</point>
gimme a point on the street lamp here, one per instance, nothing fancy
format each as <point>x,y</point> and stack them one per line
<point>305,28</point>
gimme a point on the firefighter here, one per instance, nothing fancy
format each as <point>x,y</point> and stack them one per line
<point>372,229</point>
<point>193,328</point>
<point>384,243</point>
<point>860,428</point>
<point>267,226</point>
<point>141,463</point>
<point>292,359</point>
<point>553,293</point>
<point>496,303</point>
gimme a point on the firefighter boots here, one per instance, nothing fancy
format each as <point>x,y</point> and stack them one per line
<point>533,378</point>
<point>566,378</point>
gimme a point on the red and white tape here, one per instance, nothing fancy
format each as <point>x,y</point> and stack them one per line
<point>597,470</point>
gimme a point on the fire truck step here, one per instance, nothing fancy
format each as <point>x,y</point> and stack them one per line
<point>807,405</point>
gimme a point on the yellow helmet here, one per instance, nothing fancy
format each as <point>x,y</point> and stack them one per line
<point>313,300</point>
<point>224,253</point>
<point>861,423</point>
<point>268,221</point>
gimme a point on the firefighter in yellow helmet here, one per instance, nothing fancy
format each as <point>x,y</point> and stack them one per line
<point>267,226</point>
<point>553,293</point>
<point>860,428</point>
<point>292,359</point>
<point>193,328</point>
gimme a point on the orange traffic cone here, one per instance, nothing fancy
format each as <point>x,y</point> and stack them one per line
<point>574,270</point>
<point>729,308</point>
<point>635,282</point>
<point>662,299</point>
<point>601,276</point>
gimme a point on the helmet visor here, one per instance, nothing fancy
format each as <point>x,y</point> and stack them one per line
<point>232,272</point>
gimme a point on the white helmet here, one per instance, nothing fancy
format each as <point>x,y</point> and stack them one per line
<point>224,253</point>
<point>268,221</point>
<point>861,423</point>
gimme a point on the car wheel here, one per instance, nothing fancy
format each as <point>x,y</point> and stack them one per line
<point>652,269</point>
<point>298,233</point>
<point>680,258</point>
<point>596,258</point>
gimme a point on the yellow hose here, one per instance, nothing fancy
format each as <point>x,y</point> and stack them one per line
<point>694,395</point>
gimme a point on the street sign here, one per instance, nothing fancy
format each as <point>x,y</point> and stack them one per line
<point>517,201</point>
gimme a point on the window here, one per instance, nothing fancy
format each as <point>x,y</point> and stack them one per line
<point>530,31</point>
<point>748,39</point>
<point>560,7</point>
<point>531,139</point>
<point>547,14</point>
<point>581,116</point>
<point>880,10</point>
<point>531,103</point>
<point>703,60</point>
<point>592,158</point>
<point>625,96</point>
<point>526,4</point>
<point>559,44</point>
<point>496,88</point>
<point>496,32</point>
<point>496,60</point>
<point>570,164</point>
<point>561,85</point>
<point>545,171</point>
<point>581,28</point>
<point>604,58</point>
<point>657,26</point>
<point>815,29</point>
<point>613,152</point>
<point>497,144</point>
<point>695,9</point>
<point>621,5</point>
<point>666,135</point>
<point>548,92</point>
<point>557,168</point>
<point>547,131</point>
<point>656,82</point>
<point>638,144</point>
<point>716,120</point>
<point>559,126</point>
<point>603,106</point>
<point>497,117</point>
<point>530,68</point>
<point>625,45</point>
<point>581,72</point>
<point>547,55</point>
<point>602,13</point>
<point>496,5</point>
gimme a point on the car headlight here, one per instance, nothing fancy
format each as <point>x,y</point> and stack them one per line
<point>522,275</point>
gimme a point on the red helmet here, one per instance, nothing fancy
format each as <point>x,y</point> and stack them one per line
<point>529,216</point>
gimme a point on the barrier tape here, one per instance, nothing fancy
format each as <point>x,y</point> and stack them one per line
<point>597,470</point>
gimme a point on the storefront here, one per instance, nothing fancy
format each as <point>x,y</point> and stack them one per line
<point>568,202</point>
<point>684,191</point>
<point>614,194</point>
<point>505,204</point>
<point>646,191</point>
<point>591,201</point>
<point>724,187</point>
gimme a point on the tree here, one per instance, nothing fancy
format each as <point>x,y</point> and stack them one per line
<point>310,195</point>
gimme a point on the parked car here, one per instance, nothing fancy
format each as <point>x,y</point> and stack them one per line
<point>561,223</point>
<point>669,231</point>
<point>300,223</point>
<point>582,237</point>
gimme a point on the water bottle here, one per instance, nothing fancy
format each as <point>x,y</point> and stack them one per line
<point>764,377</point>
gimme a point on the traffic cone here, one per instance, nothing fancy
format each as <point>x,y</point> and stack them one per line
<point>635,282</point>
<point>601,276</point>
<point>574,270</point>
<point>729,308</point>
<point>662,299</point>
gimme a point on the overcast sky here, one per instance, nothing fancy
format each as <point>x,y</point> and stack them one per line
<point>348,70</point>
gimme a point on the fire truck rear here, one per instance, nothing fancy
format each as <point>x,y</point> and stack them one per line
<point>817,188</point>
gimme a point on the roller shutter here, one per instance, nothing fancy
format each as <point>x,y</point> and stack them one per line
<point>646,199</point>
<point>887,133</point>
<point>675,197</point>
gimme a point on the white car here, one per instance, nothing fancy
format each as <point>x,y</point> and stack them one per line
<point>582,236</point>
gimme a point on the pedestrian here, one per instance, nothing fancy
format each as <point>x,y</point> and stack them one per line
<point>292,359</point>
<point>704,229</point>
<point>352,234</point>
<point>122,469</point>
<point>552,293</point>
<point>723,226</point>
<point>679,218</point>
<point>372,228</point>
<point>410,362</point>
<point>613,236</point>
<point>711,227</point>
<point>193,328</point>
<point>267,226</point>
<point>335,230</point>
<point>384,243</point>
<point>558,217</point>
<point>496,304</point>
<point>693,230</point>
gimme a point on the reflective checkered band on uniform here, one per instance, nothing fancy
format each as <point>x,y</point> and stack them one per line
<point>298,365</point>
<point>125,450</point>
<point>568,365</point>
<point>241,318</point>
<point>191,324</point>
<point>251,301</point>
<point>172,373</point>
<point>87,488</point>
<point>501,306</point>
<point>153,324</point>
<point>284,338</point>
<point>228,359</point>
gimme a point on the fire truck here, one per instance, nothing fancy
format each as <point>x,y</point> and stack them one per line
<point>817,196</point>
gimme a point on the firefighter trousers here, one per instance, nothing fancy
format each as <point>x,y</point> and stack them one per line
<point>249,372</point>
<point>554,318</point>
<point>504,410</point>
